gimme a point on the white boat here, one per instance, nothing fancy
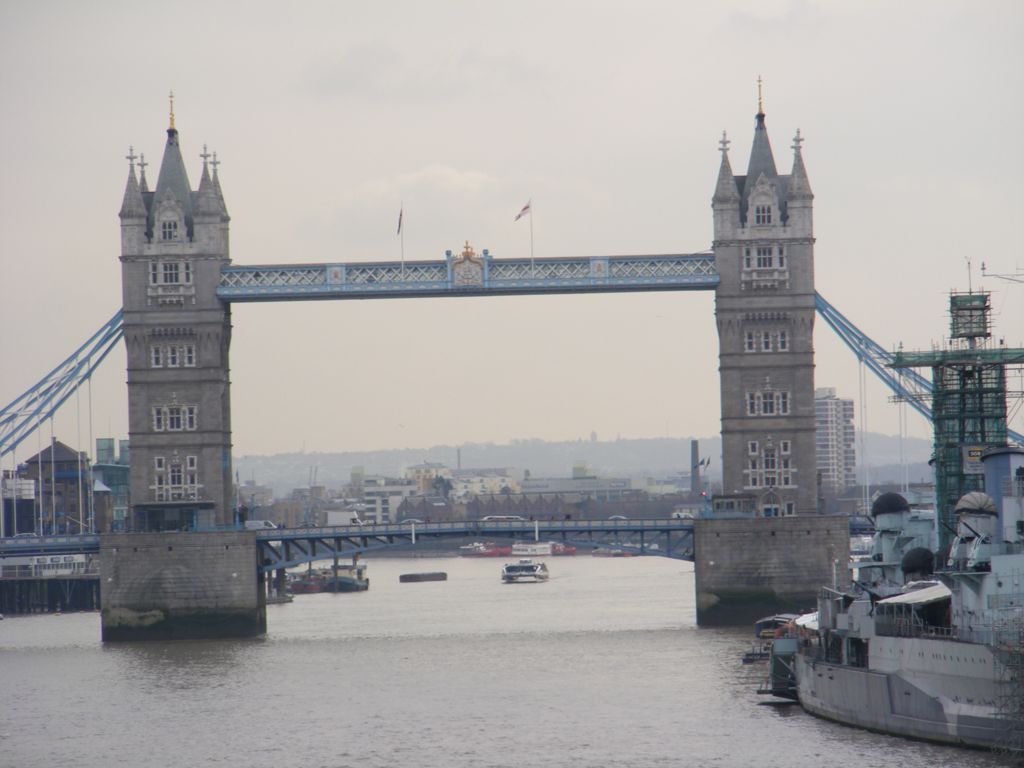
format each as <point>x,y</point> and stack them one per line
<point>524,570</point>
<point>531,548</point>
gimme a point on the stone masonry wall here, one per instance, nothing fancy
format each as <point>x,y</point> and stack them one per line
<point>748,568</point>
<point>180,585</point>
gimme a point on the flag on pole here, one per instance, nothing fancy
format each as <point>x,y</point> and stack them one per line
<point>399,222</point>
<point>526,210</point>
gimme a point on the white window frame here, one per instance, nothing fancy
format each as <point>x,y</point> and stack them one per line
<point>156,356</point>
<point>764,258</point>
<point>171,273</point>
<point>172,356</point>
<point>159,419</point>
<point>189,355</point>
<point>174,418</point>
<point>762,214</point>
<point>168,230</point>
<point>190,413</point>
<point>751,342</point>
<point>783,341</point>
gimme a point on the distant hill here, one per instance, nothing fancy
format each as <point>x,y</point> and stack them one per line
<point>656,457</point>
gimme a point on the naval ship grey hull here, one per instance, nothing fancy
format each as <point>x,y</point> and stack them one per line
<point>933,689</point>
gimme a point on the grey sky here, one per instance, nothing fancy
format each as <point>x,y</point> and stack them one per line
<point>327,115</point>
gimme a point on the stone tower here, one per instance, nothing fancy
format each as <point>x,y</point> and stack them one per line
<point>174,242</point>
<point>764,309</point>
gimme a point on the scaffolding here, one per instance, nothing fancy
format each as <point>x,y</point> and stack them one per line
<point>1009,670</point>
<point>968,402</point>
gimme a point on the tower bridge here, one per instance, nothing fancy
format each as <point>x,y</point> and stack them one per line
<point>179,283</point>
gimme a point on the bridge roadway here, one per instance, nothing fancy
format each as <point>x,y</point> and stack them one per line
<point>290,547</point>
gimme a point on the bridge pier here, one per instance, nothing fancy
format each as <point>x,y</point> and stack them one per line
<point>170,586</point>
<point>752,567</point>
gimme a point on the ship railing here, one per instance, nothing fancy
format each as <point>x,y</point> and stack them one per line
<point>902,626</point>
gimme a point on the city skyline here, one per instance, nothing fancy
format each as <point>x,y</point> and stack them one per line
<point>326,131</point>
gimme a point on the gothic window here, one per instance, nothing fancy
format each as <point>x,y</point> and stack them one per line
<point>175,475</point>
<point>154,273</point>
<point>750,345</point>
<point>156,358</point>
<point>169,230</point>
<point>190,417</point>
<point>768,402</point>
<point>764,257</point>
<point>191,462</point>
<point>785,474</point>
<point>783,403</point>
<point>790,508</point>
<point>766,341</point>
<point>158,463</point>
<point>762,214</point>
<point>158,419</point>
<point>783,341</point>
<point>188,272</point>
<point>752,447</point>
<point>172,356</point>
<point>174,418</point>
<point>171,272</point>
<point>190,355</point>
<point>784,447</point>
<point>746,259</point>
<point>782,257</point>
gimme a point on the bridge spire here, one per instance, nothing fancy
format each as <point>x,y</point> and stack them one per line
<point>799,186</point>
<point>132,206</point>
<point>725,190</point>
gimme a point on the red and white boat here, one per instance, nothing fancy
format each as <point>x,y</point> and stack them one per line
<point>484,549</point>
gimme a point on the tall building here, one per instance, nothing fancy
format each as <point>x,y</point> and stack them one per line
<point>174,242</point>
<point>837,459</point>
<point>764,309</point>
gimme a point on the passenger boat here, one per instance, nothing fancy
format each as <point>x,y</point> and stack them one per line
<point>349,578</point>
<point>524,570</point>
<point>484,549</point>
<point>542,549</point>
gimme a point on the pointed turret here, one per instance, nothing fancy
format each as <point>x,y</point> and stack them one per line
<point>799,186</point>
<point>220,193</point>
<point>725,190</point>
<point>172,184</point>
<point>132,206</point>
<point>133,211</point>
<point>800,199</point>
<point>726,201</point>
<point>761,159</point>
<point>143,184</point>
<point>207,199</point>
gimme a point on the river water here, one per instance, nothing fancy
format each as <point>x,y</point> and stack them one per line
<point>601,666</point>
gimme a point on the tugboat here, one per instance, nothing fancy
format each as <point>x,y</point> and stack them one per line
<point>524,570</point>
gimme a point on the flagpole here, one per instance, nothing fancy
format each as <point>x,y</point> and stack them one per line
<point>532,272</point>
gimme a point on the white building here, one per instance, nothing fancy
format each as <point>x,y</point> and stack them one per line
<point>835,454</point>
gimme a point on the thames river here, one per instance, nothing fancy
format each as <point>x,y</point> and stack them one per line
<point>601,666</point>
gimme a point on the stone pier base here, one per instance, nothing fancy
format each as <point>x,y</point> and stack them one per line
<point>749,568</point>
<point>169,586</point>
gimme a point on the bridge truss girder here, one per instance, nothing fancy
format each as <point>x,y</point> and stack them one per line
<point>291,547</point>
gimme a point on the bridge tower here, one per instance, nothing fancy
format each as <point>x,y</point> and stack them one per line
<point>174,242</point>
<point>764,308</point>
